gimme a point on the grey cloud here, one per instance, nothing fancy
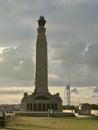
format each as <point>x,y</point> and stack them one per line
<point>91,57</point>
<point>17,66</point>
<point>79,21</point>
<point>13,91</point>
<point>71,59</point>
<point>2,92</point>
<point>70,27</point>
<point>68,19</point>
<point>96,90</point>
<point>56,82</point>
<point>74,90</point>
<point>81,65</point>
<point>94,96</point>
<point>14,31</point>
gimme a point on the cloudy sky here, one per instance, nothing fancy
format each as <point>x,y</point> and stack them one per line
<point>72,36</point>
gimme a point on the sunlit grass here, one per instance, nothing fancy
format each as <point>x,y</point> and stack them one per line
<point>51,123</point>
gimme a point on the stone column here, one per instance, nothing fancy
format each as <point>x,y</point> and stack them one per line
<point>41,80</point>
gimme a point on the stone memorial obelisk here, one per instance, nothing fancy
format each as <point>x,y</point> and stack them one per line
<point>41,75</point>
<point>41,99</point>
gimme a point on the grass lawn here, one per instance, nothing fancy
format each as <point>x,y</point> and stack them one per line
<point>51,123</point>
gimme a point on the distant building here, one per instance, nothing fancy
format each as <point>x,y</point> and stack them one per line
<point>7,107</point>
<point>41,99</point>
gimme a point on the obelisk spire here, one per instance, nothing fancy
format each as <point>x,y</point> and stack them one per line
<point>41,80</point>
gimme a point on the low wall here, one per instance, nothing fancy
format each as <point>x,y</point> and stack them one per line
<point>44,114</point>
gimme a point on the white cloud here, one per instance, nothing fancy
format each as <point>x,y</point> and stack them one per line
<point>15,94</point>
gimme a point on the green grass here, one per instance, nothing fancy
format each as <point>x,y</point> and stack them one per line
<point>51,123</point>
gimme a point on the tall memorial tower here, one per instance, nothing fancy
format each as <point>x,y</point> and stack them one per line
<point>41,99</point>
<point>41,80</point>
